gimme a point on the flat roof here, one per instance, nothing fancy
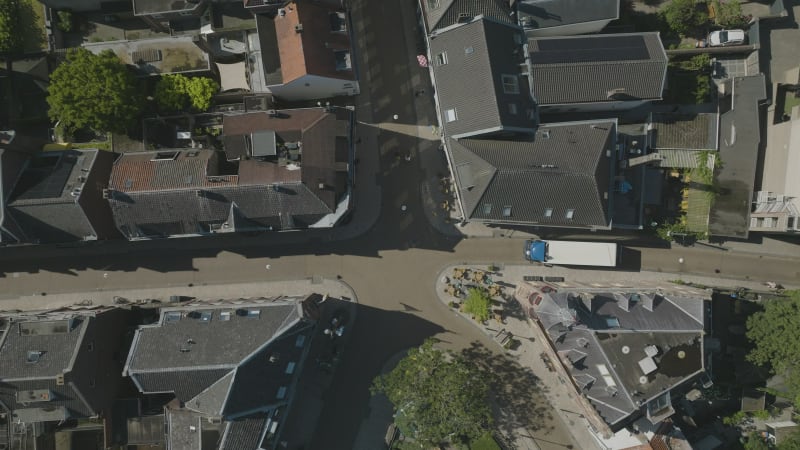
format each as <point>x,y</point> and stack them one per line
<point>159,55</point>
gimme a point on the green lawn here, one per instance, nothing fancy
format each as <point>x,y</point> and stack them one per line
<point>485,442</point>
<point>698,203</point>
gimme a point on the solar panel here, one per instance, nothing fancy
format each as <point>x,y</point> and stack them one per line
<point>591,49</point>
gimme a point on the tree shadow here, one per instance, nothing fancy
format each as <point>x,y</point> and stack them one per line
<point>518,392</point>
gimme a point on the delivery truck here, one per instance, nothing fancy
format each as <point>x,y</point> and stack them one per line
<point>571,253</point>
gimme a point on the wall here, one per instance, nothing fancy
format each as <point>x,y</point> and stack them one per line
<point>590,107</point>
<point>74,5</point>
<point>311,87</point>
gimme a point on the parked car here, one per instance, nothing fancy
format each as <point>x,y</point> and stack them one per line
<point>724,38</point>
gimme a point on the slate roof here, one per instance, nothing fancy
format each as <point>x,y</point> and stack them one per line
<point>471,84</point>
<point>444,13</point>
<point>740,138</point>
<point>684,132</point>
<point>189,191</point>
<point>57,340</point>
<point>597,68</point>
<point>564,167</point>
<point>539,14</point>
<point>231,360</point>
<point>601,338</point>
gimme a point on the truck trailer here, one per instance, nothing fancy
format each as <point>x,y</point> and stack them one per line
<point>571,253</point>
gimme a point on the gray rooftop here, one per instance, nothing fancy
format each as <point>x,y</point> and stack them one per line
<point>740,138</point>
<point>263,57</point>
<point>52,177</point>
<point>538,14</point>
<point>564,167</point>
<point>597,68</point>
<point>444,13</point>
<point>602,338</point>
<point>470,85</point>
<point>684,131</point>
<point>208,337</point>
<point>40,348</point>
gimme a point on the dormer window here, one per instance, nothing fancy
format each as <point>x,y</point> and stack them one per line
<point>570,214</point>
<point>342,59</point>
<point>450,115</point>
<point>510,84</point>
<point>507,211</point>
<point>441,58</point>
<point>338,22</point>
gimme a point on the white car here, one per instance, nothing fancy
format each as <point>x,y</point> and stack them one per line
<point>724,38</point>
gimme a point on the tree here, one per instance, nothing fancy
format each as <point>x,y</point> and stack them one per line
<point>683,15</point>
<point>775,332</point>
<point>437,397</point>
<point>755,442</point>
<point>177,92</point>
<point>11,37</point>
<point>94,91</point>
<point>728,14</point>
<point>477,304</point>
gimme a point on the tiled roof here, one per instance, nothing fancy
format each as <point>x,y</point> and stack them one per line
<point>685,132</point>
<point>602,337</point>
<point>56,341</point>
<point>537,181</point>
<point>155,171</point>
<point>451,12</point>
<point>470,80</point>
<point>538,14</point>
<point>185,384</point>
<point>310,50</point>
<point>243,433</point>
<point>597,68</point>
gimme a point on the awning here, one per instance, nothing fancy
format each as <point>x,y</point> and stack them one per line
<point>233,76</point>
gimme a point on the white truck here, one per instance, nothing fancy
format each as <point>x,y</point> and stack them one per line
<point>571,253</point>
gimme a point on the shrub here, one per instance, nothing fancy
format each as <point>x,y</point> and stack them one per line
<point>729,14</point>
<point>477,304</point>
<point>683,15</point>
<point>65,21</point>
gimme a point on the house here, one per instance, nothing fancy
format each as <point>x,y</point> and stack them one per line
<point>232,366</point>
<point>597,73</point>
<point>625,351</point>
<point>56,366</point>
<point>542,18</point>
<point>304,53</point>
<point>57,197</point>
<point>438,14</point>
<point>559,177</point>
<point>281,170</point>
<point>479,82</point>
<point>739,147</point>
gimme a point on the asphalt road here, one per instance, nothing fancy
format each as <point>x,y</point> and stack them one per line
<point>392,268</point>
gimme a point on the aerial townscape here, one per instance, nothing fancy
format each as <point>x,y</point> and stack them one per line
<point>399,224</point>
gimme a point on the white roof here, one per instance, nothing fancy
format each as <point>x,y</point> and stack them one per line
<point>582,253</point>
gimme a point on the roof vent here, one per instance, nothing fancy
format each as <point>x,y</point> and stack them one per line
<point>107,193</point>
<point>272,112</point>
<point>642,379</point>
<point>464,18</point>
<point>34,356</point>
<point>321,186</point>
<point>274,357</point>
<point>545,134</point>
<point>614,93</point>
<point>281,12</point>
<point>60,379</point>
<point>625,349</point>
<point>298,28</point>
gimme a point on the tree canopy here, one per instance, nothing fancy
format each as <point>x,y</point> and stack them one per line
<point>775,331</point>
<point>94,91</point>
<point>437,397</point>
<point>477,304</point>
<point>176,92</point>
<point>11,37</point>
<point>683,15</point>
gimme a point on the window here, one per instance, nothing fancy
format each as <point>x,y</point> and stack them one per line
<point>290,367</point>
<point>342,59</point>
<point>450,115</point>
<point>281,393</point>
<point>512,108</point>
<point>518,39</point>
<point>506,211</point>
<point>254,313</point>
<point>433,4</point>
<point>469,50</point>
<point>301,339</point>
<point>510,84</point>
<point>225,315</point>
<point>487,208</point>
<point>441,58</point>
<point>570,214</point>
<point>548,212</point>
<point>338,22</point>
<point>90,346</point>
